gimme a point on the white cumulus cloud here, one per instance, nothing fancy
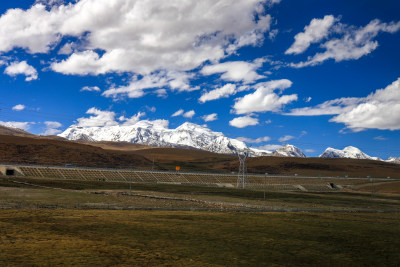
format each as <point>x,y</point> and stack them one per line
<point>225,91</point>
<point>286,138</point>
<point>34,30</point>
<point>269,147</point>
<point>99,119</point>
<point>162,93</point>
<point>210,117</point>
<point>181,112</point>
<point>132,120</point>
<point>265,98</point>
<point>241,122</point>
<point>354,43</point>
<point>17,124</point>
<point>91,89</point>
<point>236,70</point>
<point>102,118</point>
<point>18,107</point>
<point>189,114</point>
<point>378,110</point>
<point>138,36</point>
<point>178,113</point>
<point>22,68</point>
<point>158,41</point>
<point>52,128</point>
<point>136,88</point>
<point>67,49</point>
<point>317,30</point>
<point>50,3</point>
<point>255,141</point>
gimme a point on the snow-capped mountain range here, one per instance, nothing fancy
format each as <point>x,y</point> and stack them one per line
<point>350,152</point>
<point>190,135</point>
<point>156,133</point>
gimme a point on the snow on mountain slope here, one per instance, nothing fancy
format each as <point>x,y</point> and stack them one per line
<point>393,160</point>
<point>156,133</point>
<point>289,151</point>
<point>190,135</point>
<point>348,152</point>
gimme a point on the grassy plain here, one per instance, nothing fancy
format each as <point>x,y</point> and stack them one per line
<point>182,238</point>
<point>33,192</point>
<point>59,222</point>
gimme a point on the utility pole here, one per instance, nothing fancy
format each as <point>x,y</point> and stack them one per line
<point>242,175</point>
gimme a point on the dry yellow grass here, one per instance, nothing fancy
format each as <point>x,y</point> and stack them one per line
<point>86,237</point>
<point>103,238</point>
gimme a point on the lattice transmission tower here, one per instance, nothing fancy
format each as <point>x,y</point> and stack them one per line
<point>242,175</point>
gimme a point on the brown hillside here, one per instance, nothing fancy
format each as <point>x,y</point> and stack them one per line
<point>324,167</point>
<point>181,154</point>
<point>28,150</point>
<point>187,159</point>
<point>121,146</point>
<point>4,130</point>
<point>207,161</point>
<point>51,137</point>
<point>25,150</point>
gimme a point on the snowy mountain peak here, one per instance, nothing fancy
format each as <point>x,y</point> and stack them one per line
<point>191,127</point>
<point>352,149</point>
<point>289,151</point>
<point>162,124</point>
<point>350,152</point>
<point>393,160</point>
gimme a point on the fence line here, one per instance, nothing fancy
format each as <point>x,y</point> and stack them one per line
<point>255,181</point>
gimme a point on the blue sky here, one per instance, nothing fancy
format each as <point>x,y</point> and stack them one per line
<point>309,73</point>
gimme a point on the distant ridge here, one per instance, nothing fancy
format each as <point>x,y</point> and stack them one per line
<point>4,130</point>
<point>188,135</point>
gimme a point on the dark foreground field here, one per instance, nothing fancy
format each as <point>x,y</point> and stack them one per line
<point>59,222</point>
<point>178,238</point>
